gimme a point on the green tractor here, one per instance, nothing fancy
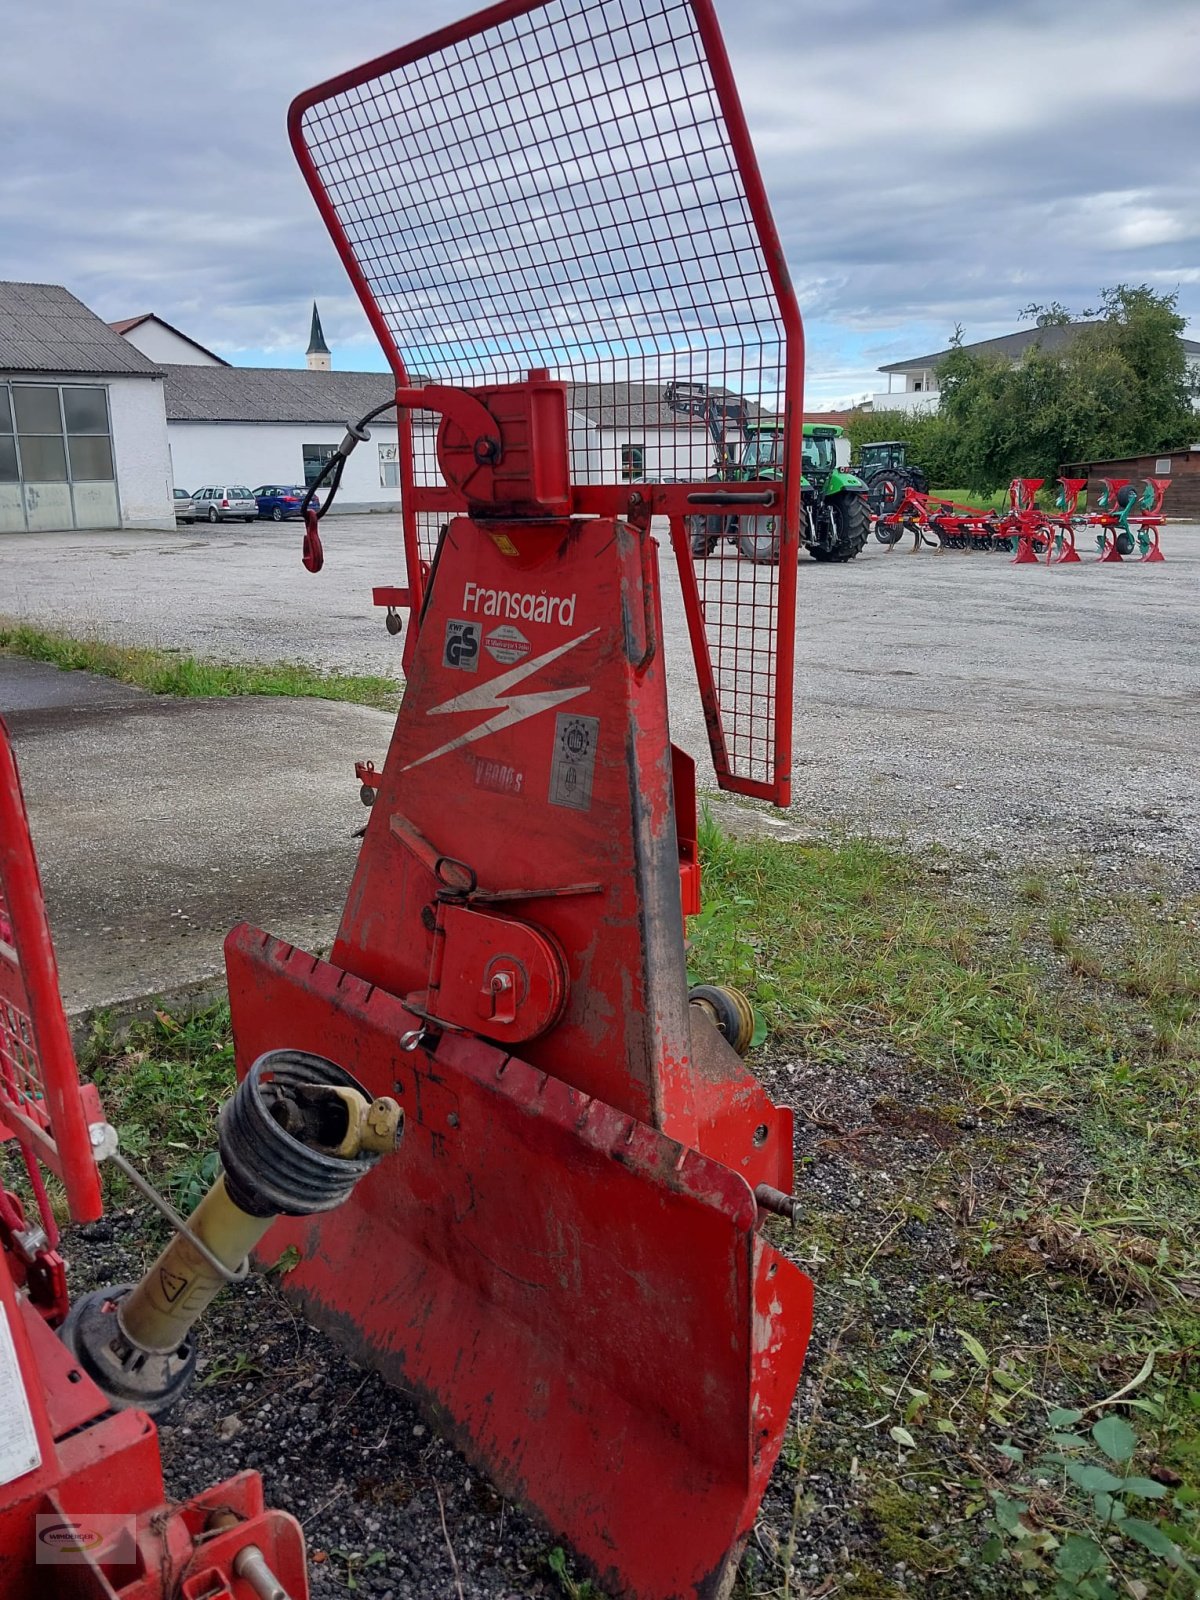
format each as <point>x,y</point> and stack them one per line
<point>885,468</point>
<point>836,521</point>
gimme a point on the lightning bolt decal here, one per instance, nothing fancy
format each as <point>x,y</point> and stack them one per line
<point>510,708</point>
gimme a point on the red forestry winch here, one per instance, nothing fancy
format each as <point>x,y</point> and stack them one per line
<point>568,1265</point>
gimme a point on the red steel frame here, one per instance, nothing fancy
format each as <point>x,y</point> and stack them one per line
<point>571,1267</point>
<point>90,1460</point>
<point>729,700</point>
<point>41,1102</point>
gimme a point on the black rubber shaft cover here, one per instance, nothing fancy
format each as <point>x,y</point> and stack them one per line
<point>269,1173</point>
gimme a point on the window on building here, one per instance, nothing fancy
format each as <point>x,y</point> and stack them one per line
<point>315,457</point>
<point>633,461</point>
<point>8,443</point>
<point>56,447</point>
<point>389,466</point>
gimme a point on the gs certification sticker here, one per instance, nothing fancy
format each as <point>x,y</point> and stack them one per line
<point>462,645</point>
<point>574,763</point>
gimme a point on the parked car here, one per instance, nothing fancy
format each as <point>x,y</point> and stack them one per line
<point>185,506</point>
<point>225,502</point>
<point>278,501</point>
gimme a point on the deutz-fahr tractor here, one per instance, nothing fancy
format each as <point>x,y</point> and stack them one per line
<point>834,501</point>
<point>884,466</point>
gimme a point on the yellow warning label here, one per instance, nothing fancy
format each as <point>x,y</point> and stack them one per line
<point>505,545</point>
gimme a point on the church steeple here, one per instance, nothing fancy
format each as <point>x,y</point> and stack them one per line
<point>317,355</point>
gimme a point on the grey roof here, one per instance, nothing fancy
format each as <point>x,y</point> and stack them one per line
<point>43,328</point>
<point>272,394</point>
<point>287,394</point>
<point>1012,345</point>
<point>636,405</point>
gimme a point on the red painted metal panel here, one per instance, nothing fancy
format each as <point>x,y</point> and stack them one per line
<point>41,1102</point>
<point>587,1303</point>
<point>570,185</point>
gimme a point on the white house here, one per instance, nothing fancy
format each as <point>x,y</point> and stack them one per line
<point>156,338</point>
<point>279,425</point>
<point>256,425</point>
<point>83,433</point>
<point>913,383</point>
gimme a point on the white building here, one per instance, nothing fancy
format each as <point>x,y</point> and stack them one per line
<point>256,425</point>
<point>156,338</point>
<point>278,425</point>
<point>83,436</point>
<point>913,384</point>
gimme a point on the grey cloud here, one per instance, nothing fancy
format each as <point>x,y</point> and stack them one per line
<point>928,164</point>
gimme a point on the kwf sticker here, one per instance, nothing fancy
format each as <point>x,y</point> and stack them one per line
<point>462,646</point>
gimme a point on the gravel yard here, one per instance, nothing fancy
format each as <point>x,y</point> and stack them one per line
<point>953,1149</point>
<point>943,698</point>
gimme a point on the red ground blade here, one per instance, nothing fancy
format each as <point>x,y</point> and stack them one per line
<point>586,1301</point>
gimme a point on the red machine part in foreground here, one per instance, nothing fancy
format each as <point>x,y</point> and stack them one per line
<point>554,208</point>
<point>79,1483</point>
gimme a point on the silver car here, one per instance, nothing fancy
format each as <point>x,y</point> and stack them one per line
<point>225,502</point>
<point>185,506</point>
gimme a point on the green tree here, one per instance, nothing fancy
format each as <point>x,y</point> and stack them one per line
<point>930,442</point>
<point>1120,387</point>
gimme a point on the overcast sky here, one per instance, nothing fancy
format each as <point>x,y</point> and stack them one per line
<point>930,163</point>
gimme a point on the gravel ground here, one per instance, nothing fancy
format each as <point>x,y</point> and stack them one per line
<point>948,698</point>
<point>893,1180</point>
<point>953,699</point>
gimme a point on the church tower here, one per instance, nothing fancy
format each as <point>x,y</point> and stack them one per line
<point>317,355</point>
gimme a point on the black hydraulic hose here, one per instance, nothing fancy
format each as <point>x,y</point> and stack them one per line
<point>356,432</point>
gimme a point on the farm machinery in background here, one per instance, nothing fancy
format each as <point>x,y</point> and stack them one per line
<point>1125,520</point>
<point>836,520</point>
<point>884,467</point>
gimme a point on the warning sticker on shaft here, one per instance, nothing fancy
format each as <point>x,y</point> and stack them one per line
<point>574,763</point>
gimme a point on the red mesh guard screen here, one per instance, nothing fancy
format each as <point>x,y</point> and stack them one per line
<point>571,185</point>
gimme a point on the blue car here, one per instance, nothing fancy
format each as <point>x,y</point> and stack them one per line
<point>279,501</point>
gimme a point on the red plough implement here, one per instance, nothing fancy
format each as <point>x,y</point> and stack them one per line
<point>1125,520</point>
<point>551,211</point>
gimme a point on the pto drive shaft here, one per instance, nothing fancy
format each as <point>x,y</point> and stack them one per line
<point>294,1140</point>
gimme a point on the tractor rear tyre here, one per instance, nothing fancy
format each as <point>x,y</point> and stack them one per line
<point>705,534</point>
<point>886,488</point>
<point>850,521</point>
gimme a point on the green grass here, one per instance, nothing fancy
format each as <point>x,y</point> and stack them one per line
<point>1061,1022</point>
<point>172,672</point>
<point>1071,1002</point>
<point>1046,1258</point>
<point>997,501</point>
<point>162,1083</point>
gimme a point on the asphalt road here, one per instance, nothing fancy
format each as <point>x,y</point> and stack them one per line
<point>160,823</point>
<point>952,698</point>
